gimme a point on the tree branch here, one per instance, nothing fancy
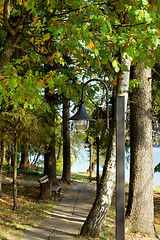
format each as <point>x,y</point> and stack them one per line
<point>22,49</point>
<point>6,14</point>
<point>34,47</point>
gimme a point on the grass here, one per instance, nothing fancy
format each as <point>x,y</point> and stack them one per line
<point>157,189</point>
<point>31,211</point>
<point>157,208</point>
<point>82,177</point>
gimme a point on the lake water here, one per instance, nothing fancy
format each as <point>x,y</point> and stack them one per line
<point>82,164</point>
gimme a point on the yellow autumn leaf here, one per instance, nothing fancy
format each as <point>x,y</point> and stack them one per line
<point>91,45</point>
<point>46,37</point>
<point>53,21</point>
<point>35,20</point>
<point>51,57</point>
<point>20,2</point>
<point>25,57</point>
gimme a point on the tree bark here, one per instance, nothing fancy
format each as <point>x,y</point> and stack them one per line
<point>8,49</point>
<point>10,159</point>
<point>140,204</point>
<point>104,196</point>
<point>3,154</point>
<point>25,164</point>
<point>50,155</point>
<point>15,203</point>
<point>59,153</point>
<point>66,143</point>
<point>50,162</point>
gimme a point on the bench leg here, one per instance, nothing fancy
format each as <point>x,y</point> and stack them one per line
<point>54,195</point>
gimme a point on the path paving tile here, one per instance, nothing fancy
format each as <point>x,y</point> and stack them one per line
<point>68,216</point>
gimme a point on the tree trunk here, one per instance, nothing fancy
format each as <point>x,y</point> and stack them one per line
<point>24,158</point>
<point>3,154</point>
<point>8,49</point>
<point>140,204</point>
<point>10,158</point>
<point>104,196</point>
<point>50,162</point>
<point>50,155</point>
<point>15,203</point>
<point>66,142</point>
<point>59,153</point>
<point>13,35</point>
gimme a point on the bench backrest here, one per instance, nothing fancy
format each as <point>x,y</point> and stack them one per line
<point>43,179</point>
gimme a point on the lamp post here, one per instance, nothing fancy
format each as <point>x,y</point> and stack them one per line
<point>82,123</point>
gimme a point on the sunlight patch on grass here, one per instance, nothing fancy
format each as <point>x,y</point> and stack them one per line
<point>31,212</point>
<point>157,188</point>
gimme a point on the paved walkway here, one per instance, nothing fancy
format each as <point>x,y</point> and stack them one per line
<point>68,215</point>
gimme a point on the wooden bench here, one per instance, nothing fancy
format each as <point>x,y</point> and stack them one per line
<point>47,189</point>
<point>56,190</point>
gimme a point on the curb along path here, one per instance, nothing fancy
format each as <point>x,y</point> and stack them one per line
<point>68,216</point>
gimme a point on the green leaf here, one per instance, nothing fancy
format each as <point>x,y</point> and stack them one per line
<point>51,83</point>
<point>39,86</point>
<point>75,4</point>
<point>25,105</point>
<point>156,40</point>
<point>51,28</point>
<point>16,103</point>
<point>18,61</point>
<point>36,73</point>
<point>96,52</point>
<point>13,84</point>
<point>145,2</point>
<point>116,65</point>
<point>1,88</point>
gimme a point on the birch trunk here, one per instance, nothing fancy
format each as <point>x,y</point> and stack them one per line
<point>104,196</point>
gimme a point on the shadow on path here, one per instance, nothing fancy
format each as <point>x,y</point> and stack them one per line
<point>68,216</point>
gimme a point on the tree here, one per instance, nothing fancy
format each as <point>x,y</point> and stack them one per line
<point>50,161</point>
<point>140,211</point>
<point>16,125</point>
<point>15,202</point>
<point>66,142</point>
<point>2,158</point>
<point>50,156</point>
<point>24,164</point>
